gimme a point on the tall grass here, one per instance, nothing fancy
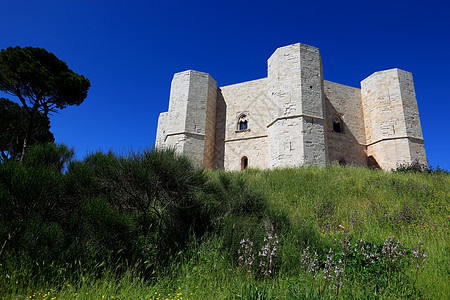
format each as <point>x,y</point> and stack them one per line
<point>309,207</point>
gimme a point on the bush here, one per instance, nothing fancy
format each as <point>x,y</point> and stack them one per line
<point>417,167</point>
<point>104,209</point>
<point>158,188</point>
<point>30,200</point>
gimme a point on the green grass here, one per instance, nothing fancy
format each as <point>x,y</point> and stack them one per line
<point>208,268</point>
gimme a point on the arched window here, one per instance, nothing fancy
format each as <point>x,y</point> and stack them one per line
<point>244,163</point>
<point>242,122</point>
<point>338,124</point>
<point>342,161</point>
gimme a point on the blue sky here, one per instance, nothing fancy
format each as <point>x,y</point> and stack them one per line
<point>130,50</point>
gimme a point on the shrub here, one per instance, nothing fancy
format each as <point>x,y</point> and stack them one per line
<point>160,190</point>
<point>417,167</point>
<point>31,199</point>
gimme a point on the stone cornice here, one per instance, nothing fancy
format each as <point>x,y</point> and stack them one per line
<point>246,138</point>
<point>395,138</point>
<point>294,116</point>
<point>372,143</point>
<point>184,132</point>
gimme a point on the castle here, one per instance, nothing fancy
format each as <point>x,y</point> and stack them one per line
<point>293,117</point>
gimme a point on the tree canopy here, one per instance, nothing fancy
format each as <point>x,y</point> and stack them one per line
<point>42,83</point>
<point>13,127</point>
<point>40,80</point>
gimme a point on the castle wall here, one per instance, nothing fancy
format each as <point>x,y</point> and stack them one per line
<point>347,146</point>
<point>255,149</point>
<point>388,153</point>
<point>297,136</point>
<point>393,132</point>
<point>189,124</point>
<point>417,150</point>
<point>248,98</point>
<point>219,145</point>
<point>290,117</point>
<point>210,124</point>
<point>162,128</point>
<point>410,108</point>
<point>285,140</point>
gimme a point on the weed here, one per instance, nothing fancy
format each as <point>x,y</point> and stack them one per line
<point>268,252</point>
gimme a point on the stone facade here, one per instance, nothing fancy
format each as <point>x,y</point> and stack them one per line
<point>293,117</point>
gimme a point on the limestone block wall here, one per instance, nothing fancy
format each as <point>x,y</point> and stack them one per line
<point>311,82</point>
<point>295,80</point>
<point>179,94</point>
<point>254,149</point>
<point>391,118</point>
<point>348,146</point>
<point>249,98</point>
<point>314,143</point>
<point>389,152</point>
<point>296,86</point>
<point>284,80</point>
<point>189,124</point>
<point>219,145</point>
<point>290,117</point>
<point>417,150</point>
<point>382,106</point>
<point>161,131</point>
<point>410,108</point>
<point>210,123</point>
<point>171,130</point>
<point>285,143</point>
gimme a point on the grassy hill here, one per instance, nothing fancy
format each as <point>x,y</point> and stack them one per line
<point>334,232</point>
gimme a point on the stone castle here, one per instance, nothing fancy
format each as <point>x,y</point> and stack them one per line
<point>293,117</point>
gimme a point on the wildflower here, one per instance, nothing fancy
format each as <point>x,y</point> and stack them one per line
<point>310,264</point>
<point>246,255</point>
<point>333,272</point>
<point>268,252</point>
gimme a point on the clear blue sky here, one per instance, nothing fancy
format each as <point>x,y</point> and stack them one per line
<point>130,50</point>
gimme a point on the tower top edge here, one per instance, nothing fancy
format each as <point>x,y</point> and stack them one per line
<point>193,73</point>
<point>384,72</point>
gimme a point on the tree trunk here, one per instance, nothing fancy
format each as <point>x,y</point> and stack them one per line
<point>10,237</point>
<point>29,133</point>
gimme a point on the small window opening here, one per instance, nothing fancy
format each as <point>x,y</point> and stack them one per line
<point>244,163</point>
<point>337,125</point>
<point>242,122</point>
<point>243,125</point>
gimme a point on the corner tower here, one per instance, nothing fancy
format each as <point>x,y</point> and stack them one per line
<point>189,124</point>
<point>297,135</point>
<point>391,117</point>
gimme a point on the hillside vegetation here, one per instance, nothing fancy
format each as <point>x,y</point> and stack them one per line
<point>149,225</point>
